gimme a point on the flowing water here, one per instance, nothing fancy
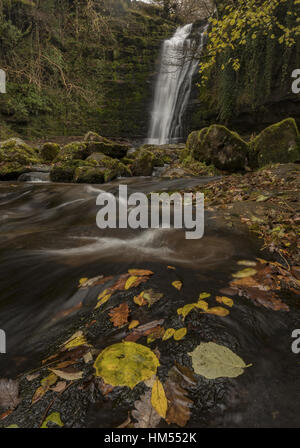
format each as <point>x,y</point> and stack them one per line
<point>49,240</point>
<point>172,92</point>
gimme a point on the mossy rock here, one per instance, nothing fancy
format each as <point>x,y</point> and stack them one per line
<point>12,170</point>
<point>73,151</point>
<point>94,137</point>
<point>90,175</point>
<point>114,168</point>
<point>220,147</point>
<point>96,157</point>
<point>49,151</point>
<point>143,163</point>
<point>194,144</point>
<point>279,143</point>
<point>14,150</point>
<point>111,149</point>
<point>64,171</point>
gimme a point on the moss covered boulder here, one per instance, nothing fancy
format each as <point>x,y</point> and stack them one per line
<point>49,151</point>
<point>63,171</point>
<point>220,147</point>
<point>16,158</point>
<point>73,151</point>
<point>194,144</point>
<point>90,175</point>
<point>12,170</point>
<point>279,143</point>
<point>97,143</point>
<point>143,163</point>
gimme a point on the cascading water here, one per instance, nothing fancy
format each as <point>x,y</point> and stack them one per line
<point>173,87</point>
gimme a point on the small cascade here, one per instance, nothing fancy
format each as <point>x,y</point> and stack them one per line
<point>174,83</point>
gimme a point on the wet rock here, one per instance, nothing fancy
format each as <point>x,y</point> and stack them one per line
<point>97,156</point>
<point>278,143</point>
<point>90,175</point>
<point>49,151</point>
<point>34,176</point>
<point>14,151</point>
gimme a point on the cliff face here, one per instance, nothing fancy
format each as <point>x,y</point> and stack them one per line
<point>72,68</point>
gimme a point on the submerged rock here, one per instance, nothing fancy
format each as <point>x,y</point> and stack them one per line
<point>279,143</point>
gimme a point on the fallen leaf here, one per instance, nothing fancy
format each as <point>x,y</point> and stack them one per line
<point>53,418</point>
<point>169,333</point>
<point>59,387</point>
<point>132,282</point>
<point>177,284</point>
<point>218,311</point>
<point>225,300</point>
<point>158,399</point>
<point>69,376</point>
<point>119,315</point>
<point>88,357</point>
<point>105,388</point>
<point>133,324</point>
<point>216,361</point>
<point>171,268</point>
<point>103,298</point>
<point>76,340</point>
<point>144,413</point>
<point>140,272</point>
<point>126,364</point>
<point>247,272</point>
<point>180,334</point>
<point>32,377</point>
<point>5,414</point>
<point>9,393</point>
<point>204,295</point>
<point>152,297</point>
<point>139,300</point>
<point>248,263</point>
<point>179,405</point>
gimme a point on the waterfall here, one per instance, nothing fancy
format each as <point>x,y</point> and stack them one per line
<point>173,87</point>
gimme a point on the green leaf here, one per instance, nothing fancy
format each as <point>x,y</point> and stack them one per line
<point>216,361</point>
<point>54,418</point>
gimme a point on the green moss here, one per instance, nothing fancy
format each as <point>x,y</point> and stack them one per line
<point>73,151</point>
<point>278,143</point>
<point>49,151</point>
<point>12,170</point>
<point>14,151</point>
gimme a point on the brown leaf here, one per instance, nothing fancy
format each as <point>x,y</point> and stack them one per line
<point>119,315</point>
<point>9,393</point>
<point>59,387</point>
<point>179,409</point>
<point>104,388</point>
<point>144,412</point>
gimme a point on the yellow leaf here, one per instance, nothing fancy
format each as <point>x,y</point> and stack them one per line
<point>177,284</point>
<point>76,340</point>
<point>218,311</point>
<point>159,399</point>
<point>179,311</point>
<point>187,309</point>
<point>103,298</point>
<point>82,281</point>
<point>140,272</point>
<point>139,300</point>
<point>133,324</point>
<point>180,334</point>
<point>248,272</point>
<point>168,334</point>
<point>172,268</point>
<point>202,305</point>
<point>204,295</point>
<point>226,300</point>
<point>126,364</point>
<point>132,279</point>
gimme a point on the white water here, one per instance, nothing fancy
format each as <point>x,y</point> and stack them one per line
<point>173,87</point>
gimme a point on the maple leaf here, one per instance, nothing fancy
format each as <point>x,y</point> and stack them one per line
<point>119,315</point>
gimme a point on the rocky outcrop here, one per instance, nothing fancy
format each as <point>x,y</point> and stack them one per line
<point>49,151</point>
<point>16,158</point>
